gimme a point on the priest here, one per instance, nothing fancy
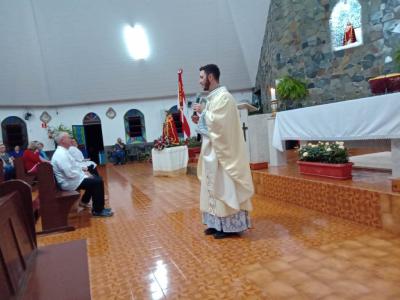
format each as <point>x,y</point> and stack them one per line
<point>223,167</point>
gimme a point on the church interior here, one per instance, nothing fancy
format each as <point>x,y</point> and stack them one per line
<point>315,84</point>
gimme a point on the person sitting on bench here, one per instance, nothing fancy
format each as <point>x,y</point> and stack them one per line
<point>31,158</point>
<point>70,176</point>
<point>86,164</point>
<point>8,163</point>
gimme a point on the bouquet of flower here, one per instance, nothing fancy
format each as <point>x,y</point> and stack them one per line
<point>161,143</point>
<point>324,152</point>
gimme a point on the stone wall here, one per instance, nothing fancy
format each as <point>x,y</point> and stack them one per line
<point>297,42</point>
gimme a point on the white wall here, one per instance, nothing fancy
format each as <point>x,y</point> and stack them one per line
<point>112,129</point>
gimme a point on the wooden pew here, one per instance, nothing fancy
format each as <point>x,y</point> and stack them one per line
<point>55,204</point>
<point>20,171</point>
<point>28,272</point>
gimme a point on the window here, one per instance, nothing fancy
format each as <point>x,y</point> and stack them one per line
<point>345,25</point>
<point>135,130</point>
<point>14,132</point>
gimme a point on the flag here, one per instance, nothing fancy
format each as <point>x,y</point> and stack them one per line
<point>181,105</point>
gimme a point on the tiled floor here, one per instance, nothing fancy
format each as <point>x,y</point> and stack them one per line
<point>154,248</point>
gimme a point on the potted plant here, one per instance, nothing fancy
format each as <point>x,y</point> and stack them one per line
<point>327,159</point>
<point>389,83</point>
<point>290,89</point>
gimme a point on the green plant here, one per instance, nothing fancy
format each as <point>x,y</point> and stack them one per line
<point>290,88</point>
<point>192,142</point>
<point>325,152</point>
<point>397,58</point>
<point>52,131</point>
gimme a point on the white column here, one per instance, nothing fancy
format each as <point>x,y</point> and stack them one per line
<point>276,157</point>
<point>396,158</point>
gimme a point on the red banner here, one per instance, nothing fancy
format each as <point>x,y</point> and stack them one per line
<point>181,105</point>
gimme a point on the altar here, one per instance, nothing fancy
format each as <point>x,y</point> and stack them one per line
<point>368,118</point>
<point>170,161</point>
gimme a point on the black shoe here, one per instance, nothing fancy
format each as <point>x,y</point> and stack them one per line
<point>222,235</point>
<point>210,231</point>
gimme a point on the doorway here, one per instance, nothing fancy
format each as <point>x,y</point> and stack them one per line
<point>93,136</point>
<point>14,133</point>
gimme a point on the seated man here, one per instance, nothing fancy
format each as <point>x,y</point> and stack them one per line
<point>70,176</point>
<point>118,153</point>
<point>86,164</point>
<point>8,164</point>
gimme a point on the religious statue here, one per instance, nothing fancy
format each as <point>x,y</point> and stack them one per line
<point>349,35</point>
<point>169,130</point>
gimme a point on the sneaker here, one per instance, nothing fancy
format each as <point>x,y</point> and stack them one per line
<point>102,214</point>
<point>85,205</point>
<point>107,209</point>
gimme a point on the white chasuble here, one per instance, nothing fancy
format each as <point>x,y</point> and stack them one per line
<point>223,167</point>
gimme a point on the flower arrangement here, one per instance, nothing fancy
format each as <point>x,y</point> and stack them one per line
<point>324,152</point>
<point>161,143</point>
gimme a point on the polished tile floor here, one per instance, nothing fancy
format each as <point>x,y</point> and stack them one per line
<point>154,248</point>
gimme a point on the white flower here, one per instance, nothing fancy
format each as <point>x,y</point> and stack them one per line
<point>326,144</point>
<point>305,154</point>
<point>341,147</point>
<point>309,144</point>
<point>329,149</point>
<point>313,146</point>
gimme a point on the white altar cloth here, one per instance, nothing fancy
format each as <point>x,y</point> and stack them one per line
<point>375,117</point>
<point>170,161</point>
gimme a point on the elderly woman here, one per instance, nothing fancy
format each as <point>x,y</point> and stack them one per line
<point>8,163</point>
<point>32,158</point>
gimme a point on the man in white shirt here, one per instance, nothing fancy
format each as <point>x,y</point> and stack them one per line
<point>86,164</point>
<point>70,176</point>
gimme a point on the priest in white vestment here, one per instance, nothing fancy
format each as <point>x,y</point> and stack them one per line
<point>223,167</point>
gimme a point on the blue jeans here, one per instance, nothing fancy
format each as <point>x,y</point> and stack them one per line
<point>118,156</point>
<point>9,172</point>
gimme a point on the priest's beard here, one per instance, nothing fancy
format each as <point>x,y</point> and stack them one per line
<point>206,85</point>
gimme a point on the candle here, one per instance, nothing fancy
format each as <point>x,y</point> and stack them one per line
<point>273,97</point>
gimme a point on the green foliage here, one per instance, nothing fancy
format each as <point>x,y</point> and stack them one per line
<point>324,152</point>
<point>397,58</point>
<point>290,88</point>
<point>192,142</point>
<point>53,131</point>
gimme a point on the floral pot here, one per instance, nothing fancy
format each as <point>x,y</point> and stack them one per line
<point>336,171</point>
<point>385,84</point>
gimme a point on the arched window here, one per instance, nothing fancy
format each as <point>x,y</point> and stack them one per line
<point>135,129</point>
<point>14,132</point>
<point>346,26</point>
<point>177,119</point>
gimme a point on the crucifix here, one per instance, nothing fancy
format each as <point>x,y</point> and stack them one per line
<point>244,128</point>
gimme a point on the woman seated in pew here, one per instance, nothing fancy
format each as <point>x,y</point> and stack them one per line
<point>86,164</point>
<point>31,158</point>
<point>42,154</point>
<point>8,163</point>
<point>17,152</point>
